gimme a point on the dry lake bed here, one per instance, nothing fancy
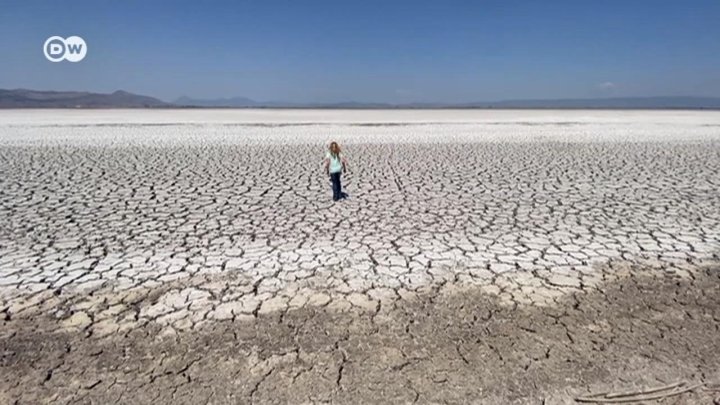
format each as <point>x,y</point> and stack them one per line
<point>489,257</point>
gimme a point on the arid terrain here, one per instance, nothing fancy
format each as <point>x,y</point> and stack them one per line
<point>485,257</point>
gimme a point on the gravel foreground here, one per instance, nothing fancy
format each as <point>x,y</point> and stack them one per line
<point>483,257</point>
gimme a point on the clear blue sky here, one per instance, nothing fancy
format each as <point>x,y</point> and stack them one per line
<point>390,51</point>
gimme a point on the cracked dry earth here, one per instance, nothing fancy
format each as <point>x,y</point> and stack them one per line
<point>485,257</point>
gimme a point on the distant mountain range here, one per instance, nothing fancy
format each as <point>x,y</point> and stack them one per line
<point>22,98</point>
<point>670,102</point>
<point>243,102</point>
<point>218,102</point>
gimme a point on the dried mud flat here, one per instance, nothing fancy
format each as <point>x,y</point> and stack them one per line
<point>484,257</point>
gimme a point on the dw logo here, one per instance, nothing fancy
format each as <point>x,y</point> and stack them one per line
<point>71,49</point>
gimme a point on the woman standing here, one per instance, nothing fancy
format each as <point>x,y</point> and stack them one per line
<point>335,164</point>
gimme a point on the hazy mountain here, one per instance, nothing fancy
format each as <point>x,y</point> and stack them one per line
<point>243,102</point>
<point>669,102</point>
<point>22,98</point>
<point>218,102</point>
<point>618,102</point>
<point>356,104</point>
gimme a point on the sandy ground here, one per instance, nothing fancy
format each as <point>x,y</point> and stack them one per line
<point>483,257</point>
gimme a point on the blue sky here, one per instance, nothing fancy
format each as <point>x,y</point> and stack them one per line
<point>388,51</point>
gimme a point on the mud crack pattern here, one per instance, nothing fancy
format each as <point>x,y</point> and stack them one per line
<point>128,239</point>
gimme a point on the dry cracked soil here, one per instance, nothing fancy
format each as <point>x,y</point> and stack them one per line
<point>488,257</point>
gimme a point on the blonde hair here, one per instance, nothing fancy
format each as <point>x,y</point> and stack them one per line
<point>334,148</point>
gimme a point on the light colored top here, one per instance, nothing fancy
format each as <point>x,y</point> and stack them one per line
<point>335,162</point>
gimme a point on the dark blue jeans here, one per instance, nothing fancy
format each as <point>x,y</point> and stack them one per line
<point>336,186</point>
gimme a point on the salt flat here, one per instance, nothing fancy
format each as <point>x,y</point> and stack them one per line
<point>176,223</point>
